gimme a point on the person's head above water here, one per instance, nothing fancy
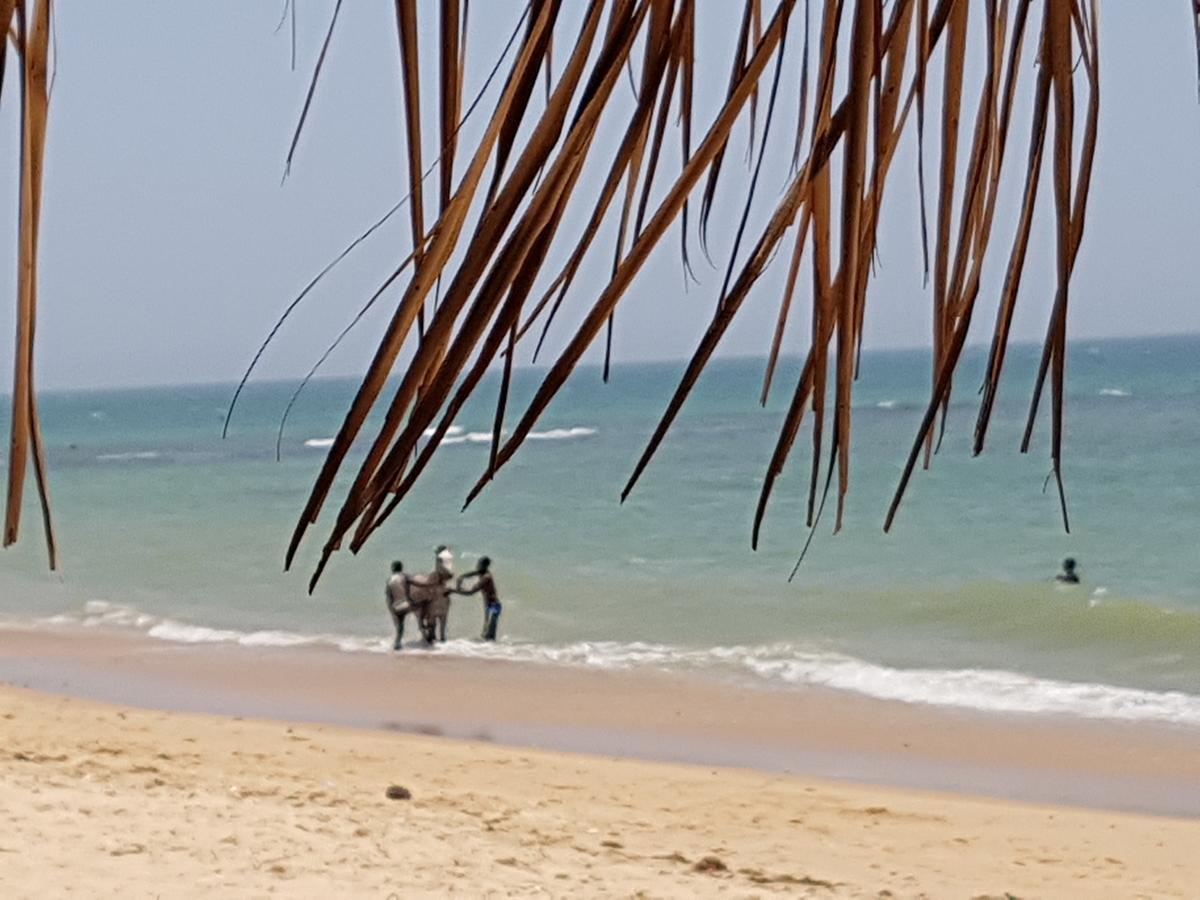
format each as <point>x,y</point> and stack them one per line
<point>484,563</point>
<point>1069,564</point>
<point>397,566</point>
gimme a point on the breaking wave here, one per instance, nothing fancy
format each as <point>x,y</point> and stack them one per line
<point>777,665</point>
<point>456,435</point>
<point>561,434</point>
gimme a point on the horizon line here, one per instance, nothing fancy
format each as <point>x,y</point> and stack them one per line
<point>906,348</point>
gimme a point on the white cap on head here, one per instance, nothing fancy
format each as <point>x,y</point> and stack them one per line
<point>446,559</point>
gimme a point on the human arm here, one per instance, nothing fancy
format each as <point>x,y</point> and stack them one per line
<point>467,592</point>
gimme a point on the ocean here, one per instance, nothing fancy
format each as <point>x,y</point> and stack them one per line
<point>169,529</point>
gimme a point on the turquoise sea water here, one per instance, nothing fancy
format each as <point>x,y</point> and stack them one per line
<point>167,528</point>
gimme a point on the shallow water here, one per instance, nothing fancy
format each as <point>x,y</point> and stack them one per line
<point>167,528</point>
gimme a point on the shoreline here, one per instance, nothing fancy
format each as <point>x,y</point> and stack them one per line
<point>647,715</point>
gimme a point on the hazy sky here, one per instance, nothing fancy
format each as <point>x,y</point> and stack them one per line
<point>170,244</point>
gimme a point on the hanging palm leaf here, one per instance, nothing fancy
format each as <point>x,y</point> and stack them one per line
<point>880,54</point>
<point>486,251</point>
<point>31,43</point>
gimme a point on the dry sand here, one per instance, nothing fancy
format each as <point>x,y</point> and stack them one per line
<point>106,800</point>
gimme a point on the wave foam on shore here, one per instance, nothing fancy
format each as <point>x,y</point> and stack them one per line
<point>777,665</point>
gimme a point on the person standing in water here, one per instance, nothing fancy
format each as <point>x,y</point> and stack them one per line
<point>485,584</point>
<point>436,588</point>
<point>398,602</point>
<point>1068,575</point>
<point>443,561</point>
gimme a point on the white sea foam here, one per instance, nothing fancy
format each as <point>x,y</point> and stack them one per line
<point>1114,392</point>
<point>129,456</point>
<point>319,442</point>
<point>561,434</point>
<point>984,689</point>
<point>275,639</point>
<point>452,431</point>
<point>456,435</point>
<point>182,633</point>
<point>886,404</point>
<point>101,612</point>
<point>772,665</point>
<point>192,634</point>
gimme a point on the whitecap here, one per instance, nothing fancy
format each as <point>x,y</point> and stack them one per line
<point>561,434</point>
<point>886,404</point>
<point>129,456</point>
<point>319,442</point>
<point>456,435</point>
<point>452,431</point>
<point>1114,392</point>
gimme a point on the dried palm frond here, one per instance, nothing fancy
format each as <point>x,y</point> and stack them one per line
<point>32,46</point>
<point>489,244</point>
<point>879,56</point>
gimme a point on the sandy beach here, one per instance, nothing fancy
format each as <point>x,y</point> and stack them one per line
<point>103,799</point>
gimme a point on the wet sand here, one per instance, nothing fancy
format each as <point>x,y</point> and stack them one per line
<point>644,714</point>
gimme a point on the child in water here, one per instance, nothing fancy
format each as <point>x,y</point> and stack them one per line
<point>491,599</point>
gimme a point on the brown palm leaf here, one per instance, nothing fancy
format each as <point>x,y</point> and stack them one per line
<point>26,435</point>
<point>500,236</point>
<point>884,70</point>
